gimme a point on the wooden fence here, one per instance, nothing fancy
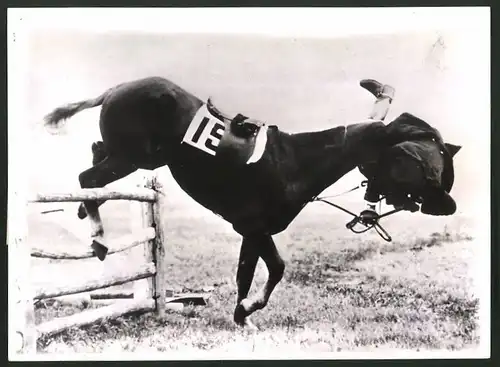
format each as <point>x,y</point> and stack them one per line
<point>151,196</point>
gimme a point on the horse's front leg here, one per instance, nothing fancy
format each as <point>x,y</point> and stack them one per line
<point>109,170</point>
<point>264,247</point>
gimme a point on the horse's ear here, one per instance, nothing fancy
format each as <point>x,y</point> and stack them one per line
<point>452,149</point>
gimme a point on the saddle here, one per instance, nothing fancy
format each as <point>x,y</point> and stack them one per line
<point>239,141</point>
<point>241,126</point>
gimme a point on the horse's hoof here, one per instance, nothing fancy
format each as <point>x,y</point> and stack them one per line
<point>82,213</point>
<point>240,315</point>
<point>241,319</point>
<point>99,250</point>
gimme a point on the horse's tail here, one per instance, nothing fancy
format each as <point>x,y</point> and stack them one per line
<point>62,113</point>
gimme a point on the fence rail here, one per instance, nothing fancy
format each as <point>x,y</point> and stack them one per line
<point>114,245</point>
<point>98,314</point>
<point>137,194</point>
<point>139,272</point>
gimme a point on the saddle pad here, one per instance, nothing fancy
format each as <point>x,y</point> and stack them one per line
<point>206,131</point>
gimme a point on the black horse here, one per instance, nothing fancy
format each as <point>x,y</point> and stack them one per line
<point>255,176</point>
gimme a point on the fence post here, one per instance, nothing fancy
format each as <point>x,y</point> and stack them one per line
<point>159,246</point>
<point>22,333</point>
<point>146,288</point>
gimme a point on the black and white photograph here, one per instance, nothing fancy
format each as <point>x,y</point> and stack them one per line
<point>248,183</point>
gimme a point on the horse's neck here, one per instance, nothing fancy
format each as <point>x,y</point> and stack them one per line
<point>322,158</point>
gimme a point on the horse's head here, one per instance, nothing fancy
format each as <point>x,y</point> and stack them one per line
<point>417,163</point>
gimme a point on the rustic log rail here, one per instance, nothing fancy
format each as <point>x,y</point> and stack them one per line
<point>111,295</point>
<point>138,272</point>
<point>138,194</point>
<point>114,244</point>
<point>88,317</point>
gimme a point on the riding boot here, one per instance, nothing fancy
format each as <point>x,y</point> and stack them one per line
<point>378,89</point>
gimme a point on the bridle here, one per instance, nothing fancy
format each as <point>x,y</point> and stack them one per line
<point>367,218</point>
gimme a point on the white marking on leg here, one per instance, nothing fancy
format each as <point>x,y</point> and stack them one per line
<point>246,304</point>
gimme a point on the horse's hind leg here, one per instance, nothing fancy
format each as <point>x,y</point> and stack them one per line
<point>99,154</point>
<point>249,255</point>
<point>266,249</point>
<point>103,173</point>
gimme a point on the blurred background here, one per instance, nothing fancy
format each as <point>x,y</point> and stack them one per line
<point>300,84</point>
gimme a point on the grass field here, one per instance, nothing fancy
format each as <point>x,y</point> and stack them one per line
<point>340,292</point>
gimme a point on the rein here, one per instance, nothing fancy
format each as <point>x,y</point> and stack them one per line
<point>367,218</point>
